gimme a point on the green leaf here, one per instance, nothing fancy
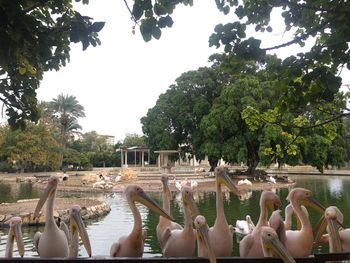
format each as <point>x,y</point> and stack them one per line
<point>156,32</point>
<point>96,26</point>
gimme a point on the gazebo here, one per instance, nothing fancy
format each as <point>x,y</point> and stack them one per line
<point>163,158</point>
<point>137,150</point>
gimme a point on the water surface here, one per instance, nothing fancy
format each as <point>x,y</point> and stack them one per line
<point>329,190</point>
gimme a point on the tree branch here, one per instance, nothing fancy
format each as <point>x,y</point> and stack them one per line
<point>317,8</point>
<point>39,4</point>
<point>302,36</point>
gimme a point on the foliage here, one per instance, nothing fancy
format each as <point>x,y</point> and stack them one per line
<point>90,150</point>
<point>133,139</point>
<point>307,79</point>
<point>175,119</point>
<point>34,149</point>
<point>64,111</point>
<point>35,38</point>
<point>239,118</point>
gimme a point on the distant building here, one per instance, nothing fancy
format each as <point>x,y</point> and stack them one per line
<point>109,139</point>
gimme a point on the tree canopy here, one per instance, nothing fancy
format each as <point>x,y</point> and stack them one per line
<point>307,78</point>
<point>217,112</point>
<point>35,37</point>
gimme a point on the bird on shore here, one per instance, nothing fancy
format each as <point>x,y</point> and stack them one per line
<point>132,245</point>
<point>15,233</point>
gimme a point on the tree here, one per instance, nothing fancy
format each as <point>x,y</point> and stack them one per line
<point>65,111</point>
<point>175,119</point>
<point>133,139</point>
<point>309,78</point>
<point>219,115</point>
<point>34,149</point>
<point>35,37</point>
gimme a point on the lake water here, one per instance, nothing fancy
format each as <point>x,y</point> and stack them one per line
<point>329,190</point>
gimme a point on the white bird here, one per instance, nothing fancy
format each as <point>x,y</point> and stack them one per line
<point>247,182</point>
<point>118,178</point>
<point>65,177</point>
<point>177,184</point>
<point>193,184</point>
<point>271,179</point>
<point>100,184</point>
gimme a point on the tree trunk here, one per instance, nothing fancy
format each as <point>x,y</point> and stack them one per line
<point>213,163</point>
<point>252,158</point>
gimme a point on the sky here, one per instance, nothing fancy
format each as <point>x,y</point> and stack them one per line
<point>118,81</point>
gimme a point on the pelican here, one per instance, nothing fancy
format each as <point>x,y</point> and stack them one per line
<point>132,245</point>
<point>181,242</point>
<point>53,241</point>
<point>165,223</point>
<point>244,227</point>
<point>77,228</point>
<point>338,238</point>
<point>270,179</point>
<point>299,242</point>
<point>288,212</point>
<point>221,234</point>
<point>272,246</point>
<point>15,233</point>
<point>250,245</point>
<point>202,230</point>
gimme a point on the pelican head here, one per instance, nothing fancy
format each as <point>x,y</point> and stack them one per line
<point>304,197</point>
<point>136,194</point>
<point>77,225</point>
<point>15,233</point>
<point>165,180</point>
<point>48,192</point>
<point>188,200</point>
<point>203,236</point>
<point>272,246</point>
<point>223,178</point>
<point>270,200</point>
<point>331,220</point>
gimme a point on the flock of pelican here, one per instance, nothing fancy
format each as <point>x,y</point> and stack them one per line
<point>271,236</point>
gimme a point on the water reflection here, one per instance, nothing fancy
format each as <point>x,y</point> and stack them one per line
<point>328,190</point>
<point>335,186</point>
<point>10,193</point>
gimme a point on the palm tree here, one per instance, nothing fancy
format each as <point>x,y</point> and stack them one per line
<point>65,111</point>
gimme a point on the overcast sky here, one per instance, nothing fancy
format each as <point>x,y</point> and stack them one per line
<point>120,80</point>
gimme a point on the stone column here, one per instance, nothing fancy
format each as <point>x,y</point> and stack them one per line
<point>121,158</point>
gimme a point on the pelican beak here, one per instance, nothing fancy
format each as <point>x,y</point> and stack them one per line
<point>144,199</point>
<point>319,230</point>
<point>77,224</point>
<point>202,233</point>
<point>49,190</point>
<point>189,200</point>
<point>276,246</point>
<point>334,238</point>
<point>223,178</point>
<point>313,203</point>
<point>166,189</point>
<point>15,233</point>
